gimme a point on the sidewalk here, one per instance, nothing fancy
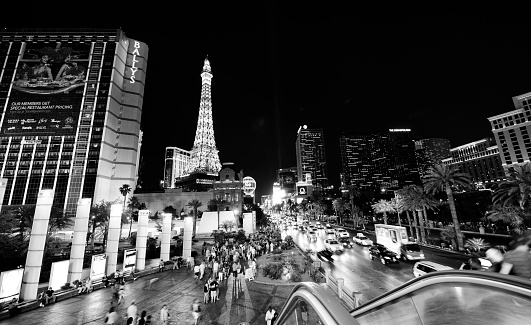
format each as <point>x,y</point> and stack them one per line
<point>246,303</point>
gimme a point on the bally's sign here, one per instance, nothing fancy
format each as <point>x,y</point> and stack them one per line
<point>133,67</point>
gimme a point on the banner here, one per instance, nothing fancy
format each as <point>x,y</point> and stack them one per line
<point>129,259</point>
<point>59,274</point>
<point>10,283</point>
<point>97,267</point>
<point>47,90</point>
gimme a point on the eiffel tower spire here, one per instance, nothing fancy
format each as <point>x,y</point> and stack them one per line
<point>204,156</point>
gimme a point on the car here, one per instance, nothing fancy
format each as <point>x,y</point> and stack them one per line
<point>302,229</point>
<point>330,234</point>
<point>312,235</point>
<point>320,226</point>
<point>340,232</point>
<point>295,227</point>
<point>345,242</point>
<point>411,251</point>
<point>383,253</point>
<point>425,267</point>
<point>333,245</point>
<point>361,239</point>
<point>329,227</point>
<point>317,223</point>
<point>325,254</point>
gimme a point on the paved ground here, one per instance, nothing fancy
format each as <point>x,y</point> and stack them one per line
<point>177,289</point>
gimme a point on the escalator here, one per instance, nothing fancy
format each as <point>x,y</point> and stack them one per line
<point>445,297</point>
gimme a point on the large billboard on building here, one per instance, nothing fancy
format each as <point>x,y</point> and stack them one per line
<point>47,89</point>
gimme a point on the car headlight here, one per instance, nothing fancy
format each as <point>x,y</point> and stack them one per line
<point>409,256</point>
<point>387,257</point>
<point>421,255</point>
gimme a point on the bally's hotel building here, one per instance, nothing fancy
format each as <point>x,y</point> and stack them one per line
<point>71,103</point>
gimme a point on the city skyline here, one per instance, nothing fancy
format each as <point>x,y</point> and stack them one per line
<point>440,73</point>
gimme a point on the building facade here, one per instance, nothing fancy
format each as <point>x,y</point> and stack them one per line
<point>431,151</point>
<point>229,188</point>
<point>287,178</point>
<point>71,110</point>
<point>479,159</point>
<point>311,156</point>
<point>375,161</point>
<point>175,165</point>
<point>512,132</point>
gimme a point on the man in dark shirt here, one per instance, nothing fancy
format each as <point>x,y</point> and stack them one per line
<point>50,295</point>
<point>214,290</point>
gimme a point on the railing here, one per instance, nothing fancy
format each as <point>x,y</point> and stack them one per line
<point>444,297</point>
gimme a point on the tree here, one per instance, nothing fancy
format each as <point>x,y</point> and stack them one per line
<point>383,206</point>
<point>512,215</point>
<point>124,190</point>
<point>516,190</point>
<point>338,205</point>
<point>417,201</point>
<point>24,215</point>
<point>443,178</point>
<point>195,204</point>
<point>99,218</point>
<point>59,220</point>
<point>133,206</point>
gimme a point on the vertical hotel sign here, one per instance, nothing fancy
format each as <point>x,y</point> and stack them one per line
<point>135,63</point>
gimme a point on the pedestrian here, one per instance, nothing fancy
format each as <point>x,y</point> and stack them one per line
<point>196,272</point>
<point>111,317</point>
<point>50,295</point>
<point>142,319</point>
<point>202,268</point>
<point>473,263</point>
<point>206,292</point>
<point>214,289</point>
<point>235,270</point>
<point>175,263</point>
<point>215,268</point>
<point>164,315</point>
<point>132,311</point>
<point>40,299</point>
<point>518,260</point>
<point>196,309</point>
<point>161,265</point>
<point>304,312</point>
<point>496,259</point>
<point>252,265</point>
<point>269,315</point>
<point>121,295</point>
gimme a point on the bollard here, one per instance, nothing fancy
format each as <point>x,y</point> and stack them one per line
<point>340,284</point>
<point>357,298</point>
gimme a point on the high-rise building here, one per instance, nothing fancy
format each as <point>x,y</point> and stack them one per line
<point>512,132</point>
<point>380,160</point>
<point>431,151</point>
<point>287,178</point>
<point>71,105</point>
<point>204,164</point>
<point>311,156</point>
<point>175,165</point>
<point>479,159</point>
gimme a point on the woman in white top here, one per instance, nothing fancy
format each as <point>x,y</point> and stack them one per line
<point>164,315</point>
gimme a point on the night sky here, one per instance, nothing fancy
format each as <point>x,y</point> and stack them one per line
<point>440,72</point>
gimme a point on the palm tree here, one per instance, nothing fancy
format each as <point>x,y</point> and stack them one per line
<point>516,189</point>
<point>195,204</point>
<point>339,205</point>
<point>124,190</point>
<point>476,244</point>
<point>512,215</point>
<point>133,206</point>
<point>398,204</point>
<point>383,206</point>
<point>99,218</point>
<point>417,201</point>
<point>442,177</point>
<point>24,215</point>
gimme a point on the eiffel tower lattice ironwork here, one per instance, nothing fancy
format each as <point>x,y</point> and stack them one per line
<point>204,156</point>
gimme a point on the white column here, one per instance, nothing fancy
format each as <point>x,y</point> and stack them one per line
<point>166,237</point>
<point>141,239</point>
<point>77,253</point>
<point>113,237</point>
<point>3,183</point>
<point>187,238</point>
<point>39,229</point>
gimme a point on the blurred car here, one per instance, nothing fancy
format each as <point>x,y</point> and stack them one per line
<point>330,234</point>
<point>325,254</point>
<point>345,242</point>
<point>319,226</point>
<point>425,267</point>
<point>302,229</point>
<point>411,251</point>
<point>295,227</point>
<point>333,245</point>
<point>329,227</point>
<point>340,232</point>
<point>312,235</point>
<point>383,253</point>
<point>361,239</point>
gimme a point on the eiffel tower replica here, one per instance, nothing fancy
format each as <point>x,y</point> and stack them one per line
<point>204,163</point>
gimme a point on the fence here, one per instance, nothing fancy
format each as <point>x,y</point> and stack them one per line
<point>351,299</point>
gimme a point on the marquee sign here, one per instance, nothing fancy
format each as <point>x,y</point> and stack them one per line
<point>249,185</point>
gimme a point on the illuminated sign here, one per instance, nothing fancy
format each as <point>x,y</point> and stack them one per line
<point>399,130</point>
<point>59,274</point>
<point>30,142</point>
<point>249,185</point>
<point>97,268</point>
<point>302,190</point>
<point>10,283</point>
<point>133,67</point>
<point>204,181</point>
<point>129,259</point>
<point>47,89</point>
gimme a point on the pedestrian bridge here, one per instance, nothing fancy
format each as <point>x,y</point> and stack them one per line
<point>445,297</point>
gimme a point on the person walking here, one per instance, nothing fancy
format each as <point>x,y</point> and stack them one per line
<point>164,315</point>
<point>215,268</point>
<point>196,310</point>
<point>197,272</point>
<point>142,319</point>
<point>175,263</point>
<point>214,289</point>
<point>132,312</point>
<point>518,260</point>
<point>190,262</point>
<point>206,292</point>
<point>161,265</point>
<point>269,315</point>
<point>202,268</point>
<point>121,295</point>
<point>112,316</point>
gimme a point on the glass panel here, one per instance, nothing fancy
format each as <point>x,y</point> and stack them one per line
<point>398,312</point>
